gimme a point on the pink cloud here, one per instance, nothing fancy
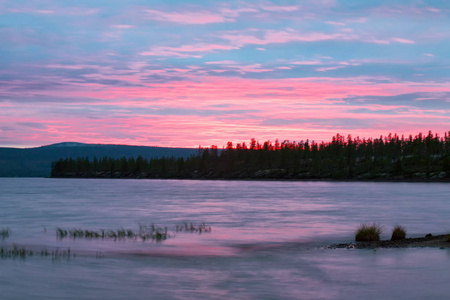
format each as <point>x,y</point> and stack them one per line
<point>241,68</point>
<point>195,50</point>
<point>271,36</point>
<point>201,87</point>
<point>235,12</point>
<point>433,9</point>
<point>122,26</point>
<point>405,10</point>
<point>160,51</point>
<point>54,10</point>
<point>194,130</point>
<point>277,8</point>
<point>45,12</point>
<point>335,23</point>
<point>357,20</point>
<point>387,41</point>
<point>238,40</point>
<point>222,62</point>
<point>209,110</point>
<point>187,17</point>
<point>329,68</point>
<point>279,36</point>
<point>402,41</point>
<point>307,62</point>
<point>275,36</point>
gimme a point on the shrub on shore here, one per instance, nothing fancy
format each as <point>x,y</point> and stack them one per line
<point>368,233</point>
<point>398,233</point>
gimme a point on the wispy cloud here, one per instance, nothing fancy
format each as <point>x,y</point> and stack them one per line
<point>57,10</point>
<point>402,41</point>
<point>278,36</point>
<point>187,17</point>
<point>122,26</point>
<point>335,23</point>
<point>240,68</point>
<point>45,12</point>
<point>196,50</point>
<point>307,62</point>
<point>278,8</point>
<point>265,37</point>
<point>324,69</point>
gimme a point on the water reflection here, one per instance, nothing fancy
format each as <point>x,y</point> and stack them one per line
<point>264,242</point>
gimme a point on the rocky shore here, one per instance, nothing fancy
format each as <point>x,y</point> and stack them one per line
<point>438,241</point>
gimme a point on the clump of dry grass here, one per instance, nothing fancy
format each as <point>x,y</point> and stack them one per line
<point>368,233</point>
<point>398,233</point>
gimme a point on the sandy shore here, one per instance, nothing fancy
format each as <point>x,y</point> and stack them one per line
<point>438,241</point>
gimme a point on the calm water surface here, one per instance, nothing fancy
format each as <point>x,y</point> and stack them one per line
<point>266,240</point>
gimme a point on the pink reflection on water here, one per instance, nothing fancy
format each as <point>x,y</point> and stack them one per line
<point>185,250</point>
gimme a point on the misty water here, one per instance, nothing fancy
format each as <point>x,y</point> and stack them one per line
<point>267,240</point>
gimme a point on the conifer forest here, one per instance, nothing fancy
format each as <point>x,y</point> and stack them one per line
<point>393,157</point>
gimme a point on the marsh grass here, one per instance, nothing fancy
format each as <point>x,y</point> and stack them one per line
<point>5,233</point>
<point>185,227</point>
<point>145,232</point>
<point>17,252</point>
<point>368,232</point>
<point>153,232</point>
<point>398,233</point>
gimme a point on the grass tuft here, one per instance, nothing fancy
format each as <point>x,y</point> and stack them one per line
<point>398,233</point>
<point>368,233</point>
<point>5,232</point>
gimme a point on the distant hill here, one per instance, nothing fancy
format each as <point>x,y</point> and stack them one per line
<point>36,162</point>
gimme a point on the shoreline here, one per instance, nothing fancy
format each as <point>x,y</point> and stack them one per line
<point>20,251</point>
<point>202,178</point>
<point>439,241</point>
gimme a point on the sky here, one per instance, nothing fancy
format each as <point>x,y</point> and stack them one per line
<point>199,73</point>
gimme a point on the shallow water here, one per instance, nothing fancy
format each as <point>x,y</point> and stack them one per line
<point>265,242</point>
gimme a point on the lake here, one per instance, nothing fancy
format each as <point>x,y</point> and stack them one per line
<point>266,242</point>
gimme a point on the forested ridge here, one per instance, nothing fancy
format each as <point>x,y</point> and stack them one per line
<point>420,157</point>
<point>36,162</point>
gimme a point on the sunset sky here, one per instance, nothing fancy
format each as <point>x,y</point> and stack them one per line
<point>189,73</point>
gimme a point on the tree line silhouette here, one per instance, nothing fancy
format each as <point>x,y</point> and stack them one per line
<point>344,158</point>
